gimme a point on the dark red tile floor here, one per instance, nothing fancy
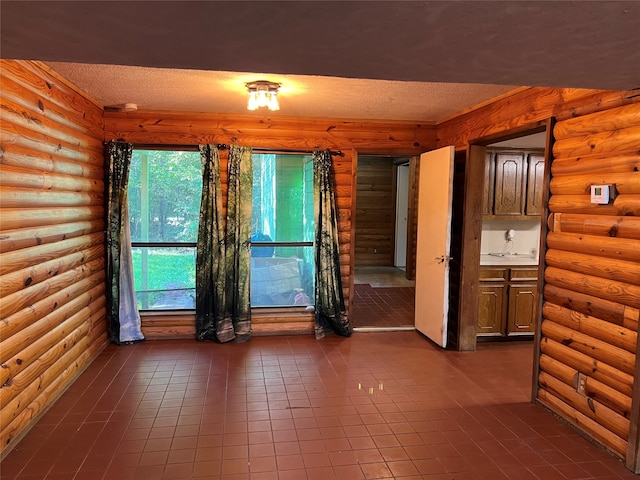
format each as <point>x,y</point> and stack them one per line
<point>383,306</point>
<point>373,406</point>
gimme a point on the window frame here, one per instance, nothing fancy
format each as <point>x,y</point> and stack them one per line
<point>265,310</point>
<point>140,244</point>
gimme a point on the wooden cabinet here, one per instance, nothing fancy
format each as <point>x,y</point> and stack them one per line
<point>489,184</point>
<point>507,301</point>
<point>514,182</point>
<point>523,297</point>
<point>535,183</point>
<point>508,184</point>
<point>492,301</point>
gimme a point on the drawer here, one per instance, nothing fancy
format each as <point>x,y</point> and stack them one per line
<point>489,274</point>
<point>523,274</point>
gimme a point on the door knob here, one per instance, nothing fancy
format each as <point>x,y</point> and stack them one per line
<point>443,259</point>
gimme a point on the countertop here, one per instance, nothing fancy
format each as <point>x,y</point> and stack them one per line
<point>516,260</point>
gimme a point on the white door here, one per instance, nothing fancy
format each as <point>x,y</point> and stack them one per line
<point>435,194</point>
<point>402,207</point>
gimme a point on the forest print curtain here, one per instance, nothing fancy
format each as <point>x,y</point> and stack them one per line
<point>123,320</point>
<point>331,315</point>
<point>223,310</point>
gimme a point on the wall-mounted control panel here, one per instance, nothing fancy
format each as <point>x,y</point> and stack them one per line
<point>603,194</point>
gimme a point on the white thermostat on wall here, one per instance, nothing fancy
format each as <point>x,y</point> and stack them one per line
<point>600,194</point>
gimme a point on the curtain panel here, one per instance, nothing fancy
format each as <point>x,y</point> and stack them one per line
<point>123,322</point>
<point>210,292</point>
<point>330,311</point>
<point>223,257</point>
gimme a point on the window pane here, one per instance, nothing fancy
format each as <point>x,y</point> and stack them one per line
<point>164,277</point>
<point>164,195</point>
<point>282,276</point>
<point>282,198</point>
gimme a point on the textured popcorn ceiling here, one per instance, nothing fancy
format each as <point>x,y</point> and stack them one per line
<point>583,44</point>
<point>225,92</point>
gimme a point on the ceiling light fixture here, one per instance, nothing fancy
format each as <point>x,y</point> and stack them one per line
<point>263,93</point>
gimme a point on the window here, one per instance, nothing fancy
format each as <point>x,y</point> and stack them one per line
<point>282,230</point>
<point>164,207</point>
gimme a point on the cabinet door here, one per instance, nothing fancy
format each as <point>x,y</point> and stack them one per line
<point>509,181</point>
<point>522,308</point>
<point>489,182</point>
<point>535,184</point>
<point>491,309</point>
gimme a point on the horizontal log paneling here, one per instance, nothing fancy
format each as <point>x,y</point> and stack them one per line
<point>597,164</point>
<point>30,237</point>
<point>604,142</point>
<point>52,265</point>
<point>37,310</point>
<point>525,108</point>
<point>49,90</point>
<point>20,279</point>
<point>595,286</point>
<point>613,312</point>
<point>168,331</point>
<point>92,301</point>
<point>592,326</point>
<point>40,147</point>
<point>610,247</point>
<point>587,365</point>
<point>34,293</point>
<point>11,197</point>
<point>622,205</point>
<point>47,396</point>
<point>24,388</point>
<point>19,156</point>
<point>589,407</point>
<point>592,388</point>
<point>614,269</point>
<point>14,218</point>
<point>19,259</point>
<point>272,321</point>
<point>605,352</point>
<point>603,225</point>
<point>627,182</point>
<point>592,275</point>
<point>55,131</point>
<point>605,436</point>
<point>278,132</point>
<point>42,335</point>
<point>21,177</point>
<point>612,119</point>
<point>290,328</point>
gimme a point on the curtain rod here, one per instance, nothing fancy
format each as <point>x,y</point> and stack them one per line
<point>220,146</point>
<point>224,146</point>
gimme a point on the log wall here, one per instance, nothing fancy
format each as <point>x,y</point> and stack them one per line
<point>353,138</point>
<point>51,241</point>
<point>52,280</point>
<point>375,225</point>
<point>525,108</point>
<point>589,331</point>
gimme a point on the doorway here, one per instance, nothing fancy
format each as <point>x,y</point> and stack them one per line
<point>476,180</point>
<point>383,296</point>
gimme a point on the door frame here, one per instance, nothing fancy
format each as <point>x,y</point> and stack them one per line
<point>472,228</point>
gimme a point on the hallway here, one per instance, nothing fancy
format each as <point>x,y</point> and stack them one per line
<point>373,406</point>
<point>383,298</point>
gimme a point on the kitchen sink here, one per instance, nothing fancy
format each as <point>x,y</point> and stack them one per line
<point>523,255</point>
